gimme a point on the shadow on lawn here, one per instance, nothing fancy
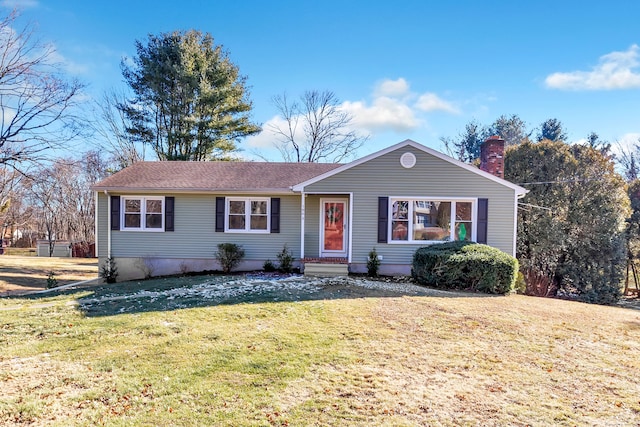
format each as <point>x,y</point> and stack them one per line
<point>172,293</point>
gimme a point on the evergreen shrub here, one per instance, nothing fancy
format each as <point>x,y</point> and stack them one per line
<point>464,265</point>
<point>109,271</point>
<point>269,266</point>
<point>285,259</point>
<point>373,263</point>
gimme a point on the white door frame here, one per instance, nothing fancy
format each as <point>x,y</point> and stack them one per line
<point>345,234</point>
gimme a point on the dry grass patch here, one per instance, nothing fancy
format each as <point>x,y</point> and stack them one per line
<point>482,361</point>
<point>19,274</point>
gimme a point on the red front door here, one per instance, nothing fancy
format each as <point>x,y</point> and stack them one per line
<point>333,228</point>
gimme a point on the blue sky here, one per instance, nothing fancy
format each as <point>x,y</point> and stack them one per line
<point>411,69</point>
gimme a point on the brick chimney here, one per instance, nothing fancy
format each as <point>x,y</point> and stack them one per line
<point>492,156</point>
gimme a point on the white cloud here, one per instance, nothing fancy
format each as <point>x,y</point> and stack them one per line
<point>71,67</point>
<point>393,107</point>
<point>430,102</point>
<point>46,54</point>
<point>8,114</point>
<point>384,113</point>
<point>629,139</point>
<point>626,143</point>
<point>616,70</point>
<point>268,137</point>
<point>393,88</point>
<point>19,4</point>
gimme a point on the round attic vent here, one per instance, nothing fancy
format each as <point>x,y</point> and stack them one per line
<point>408,160</point>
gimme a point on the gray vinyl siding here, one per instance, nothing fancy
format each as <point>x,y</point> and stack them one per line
<point>195,236</point>
<point>102,225</point>
<point>312,226</point>
<point>430,177</point>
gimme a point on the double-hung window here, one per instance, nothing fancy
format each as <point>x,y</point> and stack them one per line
<point>143,213</point>
<point>247,215</point>
<point>433,220</point>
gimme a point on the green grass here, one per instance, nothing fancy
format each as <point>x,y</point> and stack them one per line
<point>221,365</point>
<point>397,361</point>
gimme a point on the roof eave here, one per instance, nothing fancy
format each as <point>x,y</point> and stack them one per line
<point>155,190</point>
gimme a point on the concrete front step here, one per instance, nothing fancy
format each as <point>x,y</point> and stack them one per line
<point>325,270</point>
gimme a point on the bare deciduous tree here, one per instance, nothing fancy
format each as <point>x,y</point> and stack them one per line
<point>316,129</point>
<point>36,101</point>
<point>111,125</point>
<point>44,196</point>
<point>63,201</point>
<point>8,182</point>
<point>628,159</point>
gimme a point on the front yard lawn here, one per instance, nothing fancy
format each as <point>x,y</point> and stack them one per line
<point>329,352</point>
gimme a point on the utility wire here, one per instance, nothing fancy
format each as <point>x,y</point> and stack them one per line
<point>559,182</point>
<point>534,206</point>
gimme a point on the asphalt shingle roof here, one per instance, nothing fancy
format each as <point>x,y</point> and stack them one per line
<point>212,176</point>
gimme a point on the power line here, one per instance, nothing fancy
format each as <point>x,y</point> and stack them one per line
<point>534,206</point>
<point>559,182</point>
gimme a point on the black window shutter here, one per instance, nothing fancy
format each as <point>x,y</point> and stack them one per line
<point>383,219</point>
<point>115,212</point>
<point>483,217</point>
<point>220,214</point>
<point>275,214</point>
<point>169,204</point>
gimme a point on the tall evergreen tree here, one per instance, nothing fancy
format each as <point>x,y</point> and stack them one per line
<point>512,129</point>
<point>571,229</point>
<point>594,141</point>
<point>552,130</point>
<point>190,101</point>
<point>466,147</point>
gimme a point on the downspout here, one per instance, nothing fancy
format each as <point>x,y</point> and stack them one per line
<point>95,223</point>
<point>303,198</point>
<point>350,228</point>
<point>106,193</point>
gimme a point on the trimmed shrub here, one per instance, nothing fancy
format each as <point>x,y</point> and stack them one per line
<point>229,256</point>
<point>464,265</point>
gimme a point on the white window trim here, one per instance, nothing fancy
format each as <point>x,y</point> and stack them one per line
<point>453,200</point>
<point>247,214</point>
<point>143,208</point>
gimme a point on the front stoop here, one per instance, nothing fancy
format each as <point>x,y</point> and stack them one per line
<point>326,267</point>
